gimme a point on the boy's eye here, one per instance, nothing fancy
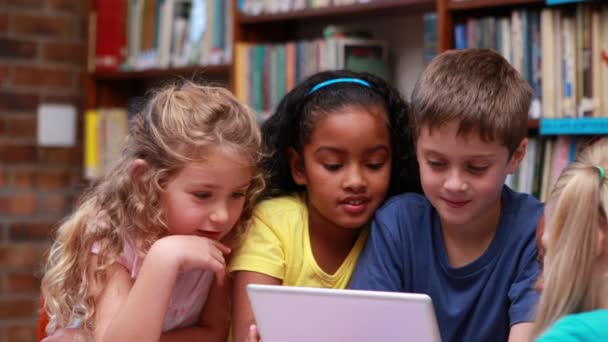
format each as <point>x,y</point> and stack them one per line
<point>332,167</point>
<point>477,169</point>
<point>202,195</point>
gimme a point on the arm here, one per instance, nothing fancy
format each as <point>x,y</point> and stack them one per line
<point>380,266</point>
<point>242,315</point>
<point>125,311</point>
<point>213,321</point>
<point>521,332</point>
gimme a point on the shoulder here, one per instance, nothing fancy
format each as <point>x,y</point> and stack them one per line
<point>587,326</point>
<point>523,210</point>
<point>404,205</point>
<point>281,213</point>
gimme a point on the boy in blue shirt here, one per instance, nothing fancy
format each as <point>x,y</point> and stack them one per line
<point>469,243</point>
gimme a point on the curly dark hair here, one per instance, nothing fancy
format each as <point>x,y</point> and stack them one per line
<point>292,124</point>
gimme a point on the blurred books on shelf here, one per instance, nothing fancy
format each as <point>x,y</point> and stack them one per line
<point>561,51</point>
<point>152,34</point>
<point>105,132</point>
<point>264,73</point>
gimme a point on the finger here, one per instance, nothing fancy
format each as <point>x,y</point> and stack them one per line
<point>223,248</point>
<point>253,334</point>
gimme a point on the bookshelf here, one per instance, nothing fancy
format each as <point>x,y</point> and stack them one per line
<point>571,109</point>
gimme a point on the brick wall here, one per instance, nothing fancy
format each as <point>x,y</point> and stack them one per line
<point>42,53</point>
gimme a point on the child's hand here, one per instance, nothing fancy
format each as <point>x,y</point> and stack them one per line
<point>195,252</point>
<point>253,335</point>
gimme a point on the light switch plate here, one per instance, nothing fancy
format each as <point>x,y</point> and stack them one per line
<point>56,125</point>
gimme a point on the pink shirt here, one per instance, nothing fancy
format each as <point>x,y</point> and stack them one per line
<point>187,300</point>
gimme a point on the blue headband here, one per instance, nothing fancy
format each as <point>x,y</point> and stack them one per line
<point>339,80</point>
<point>602,173</point>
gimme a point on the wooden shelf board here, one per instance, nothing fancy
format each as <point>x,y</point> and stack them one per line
<point>482,4</point>
<point>338,11</point>
<point>215,70</point>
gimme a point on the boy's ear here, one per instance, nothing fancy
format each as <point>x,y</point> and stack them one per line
<point>138,166</point>
<point>517,156</point>
<point>296,165</point>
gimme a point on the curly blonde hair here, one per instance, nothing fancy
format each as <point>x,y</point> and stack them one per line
<point>577,206</point>
<point>179,124</point>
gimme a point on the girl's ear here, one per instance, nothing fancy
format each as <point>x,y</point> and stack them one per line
<point>138,166</point>
<point>296,165</point>
<point>517,156</point>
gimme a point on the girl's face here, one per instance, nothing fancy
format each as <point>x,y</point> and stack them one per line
<point>206,198</point>
<point>345,167</point>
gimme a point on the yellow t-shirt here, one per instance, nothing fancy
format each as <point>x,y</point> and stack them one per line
<point>278,244</point>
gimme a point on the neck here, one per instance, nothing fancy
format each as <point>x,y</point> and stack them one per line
<point>467,242</point>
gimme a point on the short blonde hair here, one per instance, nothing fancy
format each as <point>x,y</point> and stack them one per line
<point>578,204</point>
<point>179,124</point>
<point>477,88</point>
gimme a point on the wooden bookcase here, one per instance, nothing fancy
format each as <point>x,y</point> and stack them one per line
<point>115,88</point>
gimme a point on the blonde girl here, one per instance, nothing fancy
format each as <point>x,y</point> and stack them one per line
<point>142,258</point>
<point>574,300</point>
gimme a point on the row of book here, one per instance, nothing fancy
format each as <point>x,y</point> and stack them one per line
<point>144,34</point>
<point>266,72</point>
<point>105,132</point>
<point>545,159</point>
<point>257,7</point>
<point>562,52</point>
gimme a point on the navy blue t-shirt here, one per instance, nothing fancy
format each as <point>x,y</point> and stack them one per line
<point>477,302</point>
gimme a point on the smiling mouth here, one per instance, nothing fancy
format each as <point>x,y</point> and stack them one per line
<point>456,204</point>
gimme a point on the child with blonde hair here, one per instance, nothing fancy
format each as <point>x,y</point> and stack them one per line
<point>574,300</point>
<point>143,256</point>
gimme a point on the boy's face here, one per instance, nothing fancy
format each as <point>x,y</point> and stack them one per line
<point>462,176</point>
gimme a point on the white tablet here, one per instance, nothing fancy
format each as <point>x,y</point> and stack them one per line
<point>301,314</point>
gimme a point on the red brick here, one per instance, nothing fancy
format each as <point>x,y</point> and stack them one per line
<point>21,204</point>
<point>15,154</point>
<point>24,3</point>
<point>24,179</point>
<point>18,102</point>
<point>22,255</point>
<point>44,26</point>
<point>21,332</point>
<point>60,155</point>
<point>22,282</point>
<point>68,53</point>
<point>17,308</point>
<point>50,180</point>
<point>22,127</point>
<point>54,204</point>
<point>69,6</point>
<point>43,77</point>
<point>17,49</point>
<point>3,22</point>
<point>31,231</point>
<point>3,73</point>
<point>2,172</point>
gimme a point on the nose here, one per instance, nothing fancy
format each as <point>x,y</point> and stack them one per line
<point>354,179</point>
<point>219,214</point>
<point>455,182</point>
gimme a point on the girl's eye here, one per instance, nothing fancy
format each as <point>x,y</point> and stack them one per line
<point>202,195</point>
<point>238,195</point>
<point>332,167</point>
<point>375,166</point>
<point>435,163</point>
